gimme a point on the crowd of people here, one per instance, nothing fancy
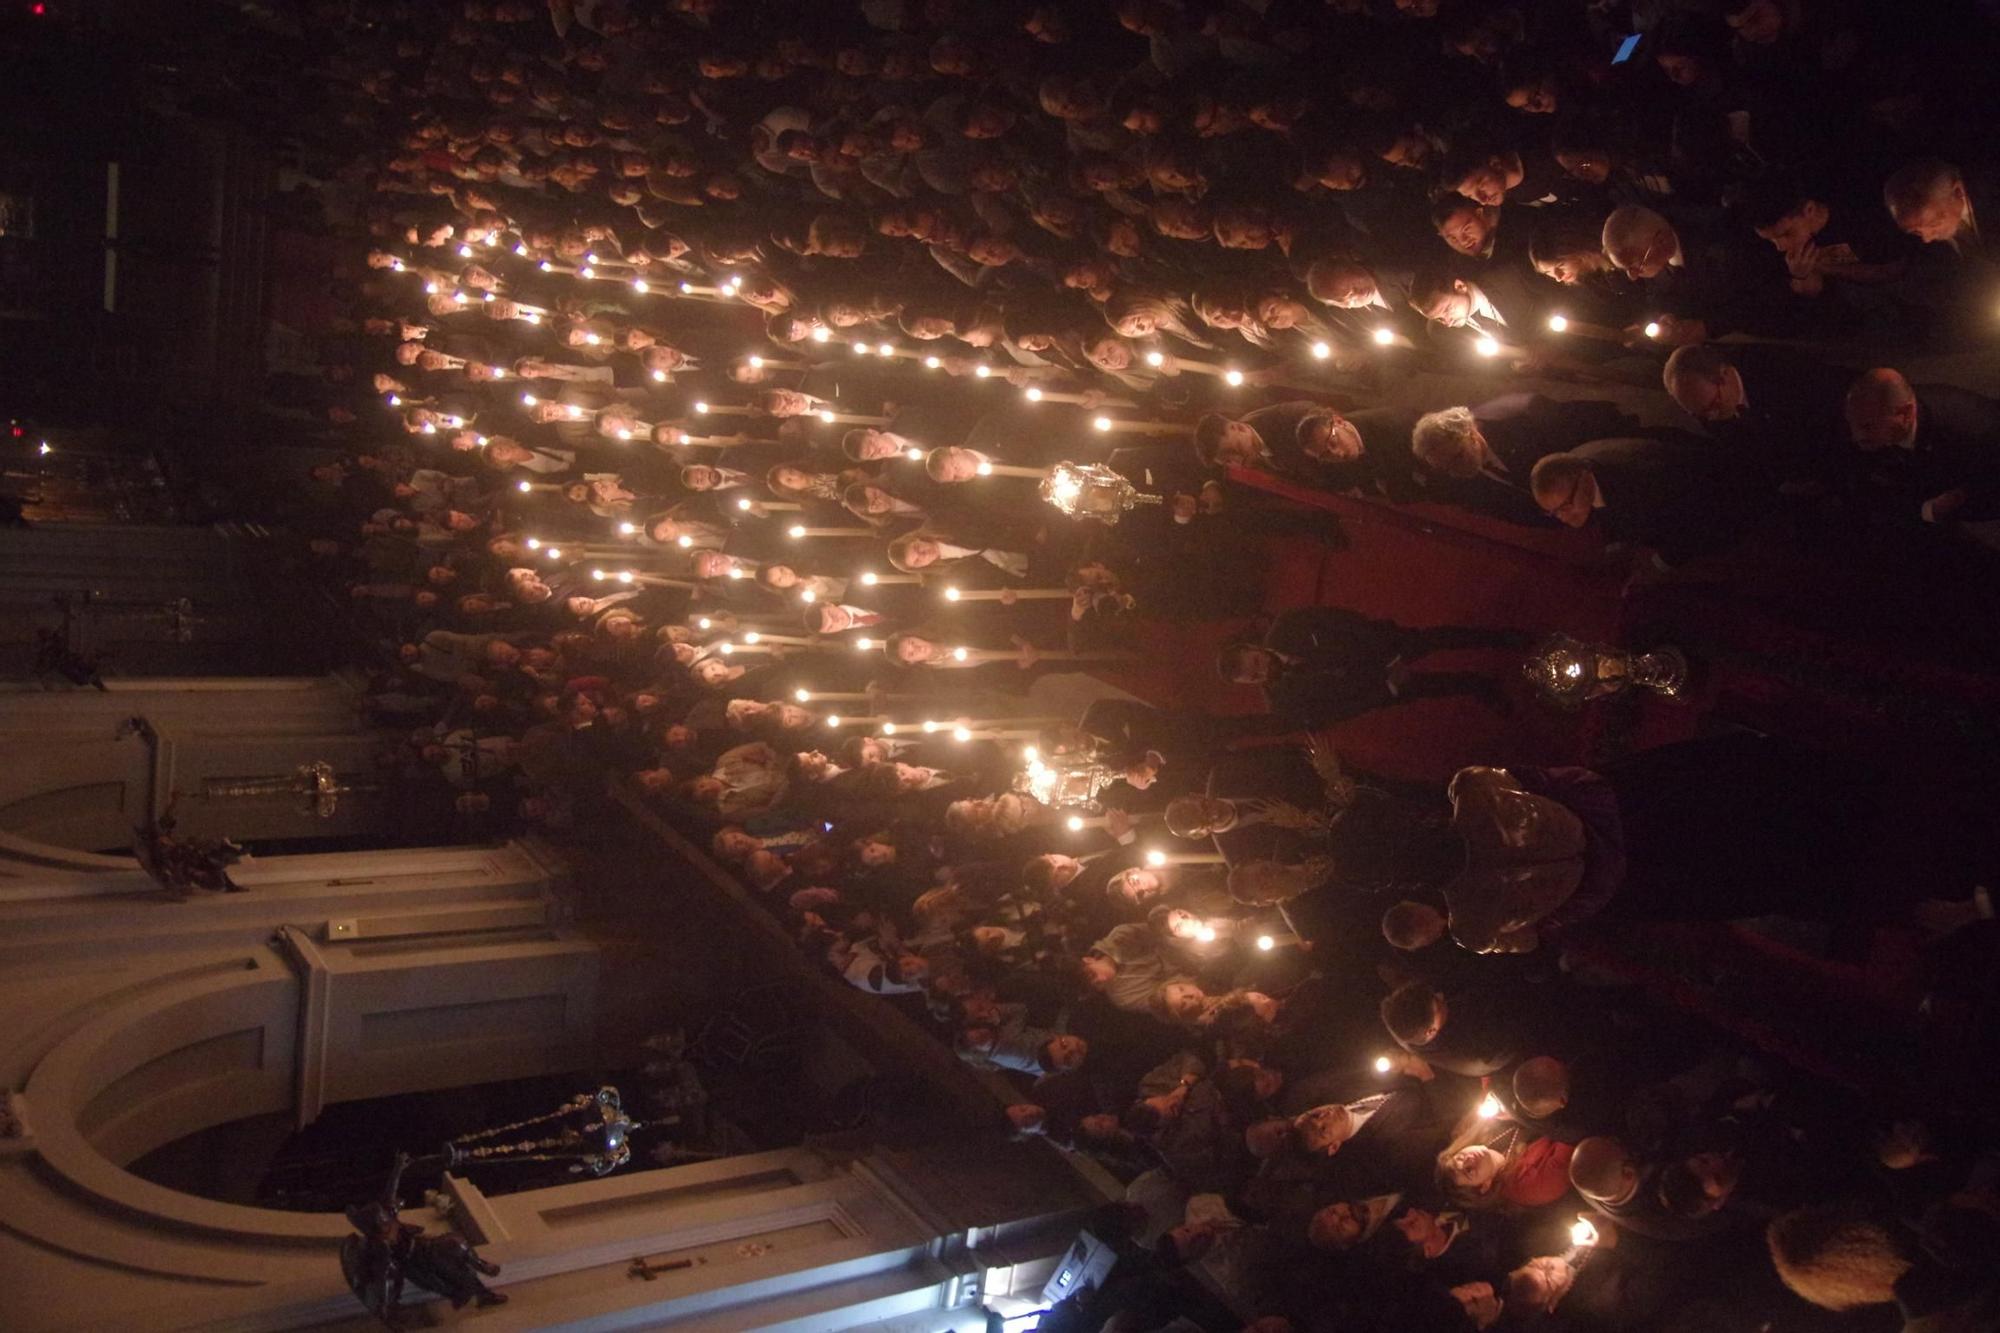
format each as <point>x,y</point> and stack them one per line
<point>802,416</point>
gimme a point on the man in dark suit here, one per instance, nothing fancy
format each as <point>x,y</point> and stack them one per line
<point>1930,452</point>
<point>1775,408</point>
<point>1678,498</point>
<point>1320,664</point>
<point>1479,458</point>
<point>1312,444</point>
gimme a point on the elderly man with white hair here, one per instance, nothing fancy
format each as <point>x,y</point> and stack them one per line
<point>1692,290</point>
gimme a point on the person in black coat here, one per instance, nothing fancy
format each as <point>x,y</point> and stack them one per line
<point>1775,408</point>
<point>1321,664</point>
<point>1675,497</point>
<point>1930,452</point>
<point>1479,458</point>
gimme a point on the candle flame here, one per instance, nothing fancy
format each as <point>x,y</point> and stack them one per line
<point>1266,943</point>
<point>932,363</point>
<point>1489,1106</point>
<point>798,530</point>
<point>1486,346</point>
<point>1234,379</point>
<point>1156,859</point>
<point>1383,1064</point>
<point>1383,337</point>
<point>1321,351</point>
<point>1558,323</point>
<point>1102,423</point>
<point>961,734</point>
<point>1076,823</point>
<point>951,594</point>
<point>958,654</point>
<point>1156,358</point>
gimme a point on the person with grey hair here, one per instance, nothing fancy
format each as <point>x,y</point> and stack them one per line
<point>1692,289</point>
<point>1479,458</point>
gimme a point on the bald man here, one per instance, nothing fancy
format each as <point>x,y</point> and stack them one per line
<point>1677,498</point>
<point>1929,453</point>
<point>1776,408</point>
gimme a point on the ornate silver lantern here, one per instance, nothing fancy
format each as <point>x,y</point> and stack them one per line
<point>1570,672</point>
<point>1092,490</point>
<point>1063,781</point>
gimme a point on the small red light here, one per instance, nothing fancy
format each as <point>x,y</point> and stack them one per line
<point>38,10</point>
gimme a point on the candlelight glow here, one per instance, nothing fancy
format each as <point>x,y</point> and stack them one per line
<point>753,637</point>
<point>1156,359</point>
<point>868,580</point>
<point>597,575</point>
<point>1383,337</point>
<point>735,572</point>
<point>1076,823</point>
<point>797,530</point>
<point>586,272</point>
<point>1321,351</point>
<point>833,719</point>
<point>984,469</point>
<point>625,576</point>
<point>703,623</point>
<point>864,644</point>
<point>885,350</point>
<point>914,455</point>
<point>808,595</point>
<point>701,408</point>
<point>1582,1234</point>
<point>627,529</point>
<point>803,696</point>
<point>745,503</point>
<point>534,543</point>
<point>961,735</point>
<point>1558,323</point>
<point>1206,934</point>
<point>1652,329</point>
<point>1033,395</point>
<point>555,553</point>
<point>932,363</point>
<point>958,654</point>
<point>1266,943</point>
<point>930,725</point>
<point>684,541</point>
<point>826,414</point>
<point>725,648</point>
<point>1233,378</point>
<point>1383,1064</point>
<point>660,375</point>
<point>982,371</point>
<point>1486,346</point>
<point>639,285</point>
<point>820,335</point>
<point>1156,859</point>
<point>523,487</point>
<point>529,400</point>
<point>861,349</point>
<point>1489,1106</point>
<point>951,594</point>
<point>1102,423</point>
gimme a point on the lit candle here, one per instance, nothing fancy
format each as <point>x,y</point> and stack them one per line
<point>1038,395</point>
<point>1489,1107</point>
<point>750,506</point>
<point>850,418</point>
<point>1383,1064</point>
<point>1577,328</point>
<point>967,657</point>
<point>1158,858</point>
<point>798,530</point>
<point>705,409</point>
<point>1006,594</point>
<point>1110,425</point>
<point>870,579</point>
<point>830,696</point>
